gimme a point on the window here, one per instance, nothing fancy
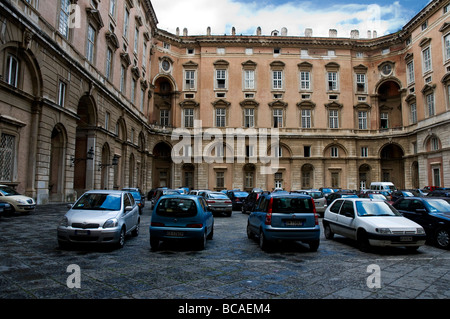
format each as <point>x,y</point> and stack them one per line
<point>144,55</point>
<point>248,51</point>
<point>221,79</point>
<point>334,151</point>
<point>410,72</point>
<point>188,117</point>
<point>278,180</point>
<point>335,180</point>
<point>306,118</point>
<point>7,157</point>
<point>107,116</point>
<point>434,143</point>
<point>334,118</point>
<point>189,80</point>
<point>220,179</point>
<point>436,177</point>
<point>249,79</point>
<point>278,151</point>
<point>249,117</point>
<point>126,19</point>
<point>249,176</point>
<point>136,40</point>
<point>424,25</point>
<point>305,78</point>
<point>426,60</point>
<point>384,120</point>
<point>413,111</point>
<point>430,104</point>
<point>64,18</point>
<point>90,46</point>
<point>307,151</point>
<point>61,93</point>
<point>123,74</point>
<point>221,51</point>
<point>141,101</point>
<point>164,117</point>
<point>447,47</point>
<point>249,151</point>
<point>220,117</point>
<point>362,120</point>
<point>133,91</point>
<point>109,58</point>
<point>277,80</point>
<point>12,70</point>
<point>112,8</point>
<point>360,82</point>
<point>277,118</point>
<point>332,81</point>
<point>364,151</point>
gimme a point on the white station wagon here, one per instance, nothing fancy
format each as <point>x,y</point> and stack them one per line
<point>371,222</point>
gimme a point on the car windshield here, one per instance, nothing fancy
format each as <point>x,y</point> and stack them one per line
<point>176,207</point>
<point>437,205</point>
<point>369,208</point>
<point>99,202</point>
<point>315,194</point>
<point>8,191</point>
<point>292,205</point>
<point>218,196</point>
<point>136,195</point>
<point>240,194</point>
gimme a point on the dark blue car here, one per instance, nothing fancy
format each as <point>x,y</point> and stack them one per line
<point>181,217</point>
<point>433,214</point>
<point>284,216</point>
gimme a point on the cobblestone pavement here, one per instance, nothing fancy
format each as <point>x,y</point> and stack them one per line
<point>232,266</point>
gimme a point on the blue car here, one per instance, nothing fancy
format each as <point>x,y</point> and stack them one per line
<point>181,217</point>
<point>284,216</point>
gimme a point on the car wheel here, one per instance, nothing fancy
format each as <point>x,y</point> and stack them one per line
<point>314,245</point>
<point>263,243</point>
<point>443,238</point>
<point>250,234</point>
<point>211,233</point>
<point>122,235</point>
<point>154,243</point>
<point>363,241</point>
<point>328,232</point>
<point>135,232</point>
<point>202,242</point>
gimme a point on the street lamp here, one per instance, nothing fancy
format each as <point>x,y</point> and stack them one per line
<point>114,162</point>
<point>89,156</point>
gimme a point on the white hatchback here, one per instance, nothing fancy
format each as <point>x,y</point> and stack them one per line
<point>371,222</point>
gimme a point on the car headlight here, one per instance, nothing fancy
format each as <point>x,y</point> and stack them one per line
<point>383,230</point>
<point>110,223</point>
<point>420,231</point>
<point>64,222</point>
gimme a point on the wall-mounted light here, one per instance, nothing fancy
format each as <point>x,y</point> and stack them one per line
<point>89,156</point>
<point>114,162</point>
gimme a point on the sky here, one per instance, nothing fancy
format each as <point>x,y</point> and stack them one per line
<point>382,16</point>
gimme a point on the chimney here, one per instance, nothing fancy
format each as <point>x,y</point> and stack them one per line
<point>233,31</point>
<point>208,31</point>
<point>369,34</point>
<point>284,31</point>
<point>185,32</point>
<point>178,31</point>
<point>374,34</point>
<point>308,32</point>
<point>258,31</point>
<point>354,34</point>
<point>332,33</point>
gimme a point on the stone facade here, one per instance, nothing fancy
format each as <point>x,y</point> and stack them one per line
<point>83,105</point>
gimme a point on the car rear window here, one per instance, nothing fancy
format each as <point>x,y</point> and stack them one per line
<point>218,196</point>
<point>176,207</point>
<point>315,195</point>
<point>292,205</point>
<point>240,194</point>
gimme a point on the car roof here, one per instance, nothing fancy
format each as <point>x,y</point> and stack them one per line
<point>107,191</point>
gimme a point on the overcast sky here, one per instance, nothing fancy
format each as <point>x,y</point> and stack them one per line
<point>383,16</point>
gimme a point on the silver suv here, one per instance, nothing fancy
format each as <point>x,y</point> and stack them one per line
<point>319,199</point>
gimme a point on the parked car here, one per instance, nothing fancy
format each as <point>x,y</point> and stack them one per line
<point>371,222</point>
<point>373,195</point>
<point>237,197</point>
<point>5,208</point>
<point>319,199</point>
<point>284,216</point>
<point>161,192</point>
<point>432,213</point>
<point>331,197</point>
<point>219,203</point>
<point>100,216</point>
<point>181,217</point>
<point>439,193</point>
<point>249,203</point>
<point>19,203</point>
<point>138,198</point>
<point>395,195</point>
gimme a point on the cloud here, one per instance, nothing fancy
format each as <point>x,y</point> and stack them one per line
<point>296,16</point>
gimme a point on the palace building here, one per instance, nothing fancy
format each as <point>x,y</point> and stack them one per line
<point>94,95</point>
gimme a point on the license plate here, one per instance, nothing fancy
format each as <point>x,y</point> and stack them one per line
<point>175,233</point>
<point>294,223</point>
<point>82,232</point>
<point>406,238</point>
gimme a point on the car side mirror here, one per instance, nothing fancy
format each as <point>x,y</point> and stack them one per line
<point>421,210</point>
<point>128,208</point>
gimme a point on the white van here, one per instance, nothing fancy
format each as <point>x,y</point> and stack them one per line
<point>382,187</point>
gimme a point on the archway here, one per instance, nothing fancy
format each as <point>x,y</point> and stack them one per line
<point>307,177</point>
<point>163,113</point>
<point>392,165</point>
<point>162,165</point>
<point>390,105</point>
<point>57,164</point>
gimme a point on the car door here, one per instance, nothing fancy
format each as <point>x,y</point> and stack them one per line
<point>128,216</point>
<point>346,219</point>
<point>258,215</point>
<point>332,215</point>
<point>208,216</point>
